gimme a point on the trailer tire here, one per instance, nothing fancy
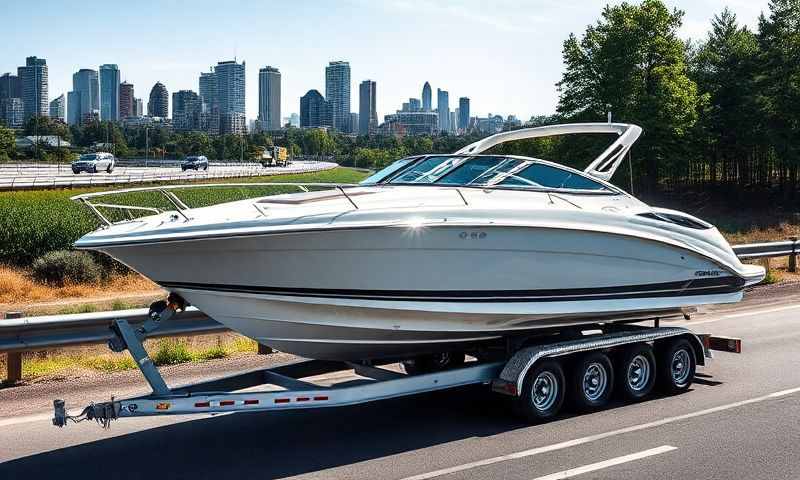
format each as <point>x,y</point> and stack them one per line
<point>592,381</point>
<point>434,362</point>
<point>542,392</point>
<point>676,362</point>
<point>637,371</point>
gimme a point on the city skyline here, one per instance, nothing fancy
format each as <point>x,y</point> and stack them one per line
<point>510,80</point>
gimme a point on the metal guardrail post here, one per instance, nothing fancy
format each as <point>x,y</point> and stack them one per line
<point>13,359</point>
<point>793,255</point>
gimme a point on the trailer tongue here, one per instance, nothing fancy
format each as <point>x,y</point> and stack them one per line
<point>539,375</point>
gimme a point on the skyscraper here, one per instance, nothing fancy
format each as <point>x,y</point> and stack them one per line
<point>231,96</point>
<point>158,106</point>
<point>367,109</point>
<point>414,105</point>
<point>463,113</point>
<point>11,108</point>
<point>315,111</point>
<point>109,92</point>
<point>269,98</point>
<point>84,100</point>
<point>126,106</point>
<point>426,98</point>
<point>58,108</point>
<point>208,90</point>
<point>443,108</point>
<point>10,86</point>
<point>33,79</point>
<point>185,110</point>
<point>138,107</point>
<point>337,93</point>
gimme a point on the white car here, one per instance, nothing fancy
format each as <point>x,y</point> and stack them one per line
<point>93,163</point>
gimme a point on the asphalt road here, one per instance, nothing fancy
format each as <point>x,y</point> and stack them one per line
<point>740,420</point>
<point>26,176</point>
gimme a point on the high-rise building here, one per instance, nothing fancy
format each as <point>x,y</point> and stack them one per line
<point>208,90</point>
<point>10,86</point>
<point>58,108</point>
<point>84,99</point>
<point>410,123</point>
<point>109,92</point>
<point>126,98</point>
<point>12,112</point>
<point>452,124</point>
<point>294,120</point>
<point>230,78</point>
<point>315,111</point>
<point>269,98</point>
<point>185,110</point>
<point>367,109</point>
<point>138,107</point>
<point>33,79</point>
<point>158,105</point>
<point>11,108</point>
<point>426,98</point>
<point>463,113</point>
<point>443,109</point>
<point>414,105</point>
<point>337,93</point>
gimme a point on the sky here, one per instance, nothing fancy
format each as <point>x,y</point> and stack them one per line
<point>505,55</point>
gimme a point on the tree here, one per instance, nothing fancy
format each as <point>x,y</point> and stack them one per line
<point>41,126</point>
<point>633,64</point>
<point>7,143</point>
<point>779,84</point>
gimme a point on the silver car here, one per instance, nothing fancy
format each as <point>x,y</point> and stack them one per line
<point>93,163</point>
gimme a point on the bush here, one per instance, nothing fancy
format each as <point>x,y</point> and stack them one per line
<point>171,352</point>
<point>66,266</point>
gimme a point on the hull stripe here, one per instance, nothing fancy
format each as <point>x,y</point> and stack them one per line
<point>701,286</point>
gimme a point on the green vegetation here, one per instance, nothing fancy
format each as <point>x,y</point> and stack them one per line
<point>34,223</point>
<point>66,266</point>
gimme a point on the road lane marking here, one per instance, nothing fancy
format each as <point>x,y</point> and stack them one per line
<point>746,313</point>
<point>599,436</point>
<point>592,467</point>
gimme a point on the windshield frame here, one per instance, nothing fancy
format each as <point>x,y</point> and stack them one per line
<point>609,189</point>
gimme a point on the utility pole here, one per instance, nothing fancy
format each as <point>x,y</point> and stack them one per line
<point>146,145</point>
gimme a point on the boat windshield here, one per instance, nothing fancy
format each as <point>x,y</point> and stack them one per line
<point>486,171</point>
<point>387,171</point>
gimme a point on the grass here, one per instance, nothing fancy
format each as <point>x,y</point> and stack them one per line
<point>36,222</point>
<point>163,352</point>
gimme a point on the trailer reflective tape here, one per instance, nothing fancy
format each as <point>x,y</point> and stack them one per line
<point>320,398</point>
<point>162,406</point>
<point>226,403</point>
<point>202,404</point>
<point>282,400</point>
<point>251,402</point>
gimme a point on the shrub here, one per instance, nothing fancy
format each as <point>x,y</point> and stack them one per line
<point>66,266</point>
<point>171,352</point>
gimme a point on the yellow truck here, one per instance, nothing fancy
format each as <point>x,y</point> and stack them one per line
<point>275,157</point>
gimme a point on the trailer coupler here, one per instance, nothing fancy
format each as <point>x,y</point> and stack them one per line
<point>102,413</point>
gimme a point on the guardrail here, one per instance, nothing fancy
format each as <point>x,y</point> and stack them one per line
<point>19,335</point>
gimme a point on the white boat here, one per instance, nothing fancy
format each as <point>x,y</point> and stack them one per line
<point>434,253</point>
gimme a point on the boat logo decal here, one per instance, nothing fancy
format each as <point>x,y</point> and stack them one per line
<point>133,407</point>
<point>707,273</point>
<point>162,406</point>
<point>472,235</point>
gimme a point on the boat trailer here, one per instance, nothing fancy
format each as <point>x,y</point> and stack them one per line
<point>321,383</point>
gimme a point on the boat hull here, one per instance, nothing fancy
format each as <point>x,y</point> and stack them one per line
<point>349,294</point>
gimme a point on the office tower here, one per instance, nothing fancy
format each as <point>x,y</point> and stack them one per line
<point>208,90</point>
<point>294,120</point>
<point>269,98</point>
<point>452,124</point>
<point>185,110</point>
<point>315,111</point>
<point>84,99</point>
<point>158,106</point>
<point>10,87</point>
<point>138,107</point>
<point>34,84</point>
<point>443,109</point>
<point>109,92</point>
<point>414,105</point>
<point>367,109</point>
<point>126,99</point>
<point>230,77</point>
<point>58,108</point>
<point>11,108</point>
<point>426,98</point>
<point>463,113</point>
<point>337,93</point>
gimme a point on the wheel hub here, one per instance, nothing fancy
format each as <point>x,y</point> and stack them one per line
<point>680,367</point>
<point>545,391</point>
<point>638,373</point>
<point>595,381</point>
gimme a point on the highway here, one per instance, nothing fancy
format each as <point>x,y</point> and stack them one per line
<point>44,176</point>
<point>741,419</point>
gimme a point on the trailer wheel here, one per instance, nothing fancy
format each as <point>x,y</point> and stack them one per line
<point>542,392</point>
<point>676,366</point>
<point>637,371</point>
<point>592,381</point>
<point>434,362</point>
